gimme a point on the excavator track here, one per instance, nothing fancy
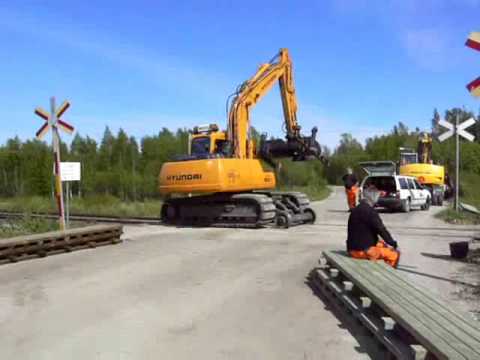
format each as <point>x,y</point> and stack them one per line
<point>240,210</point>
<point>293,208</point>
<point>245,210</point>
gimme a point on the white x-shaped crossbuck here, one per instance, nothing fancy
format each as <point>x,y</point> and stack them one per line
<point>461,129</point>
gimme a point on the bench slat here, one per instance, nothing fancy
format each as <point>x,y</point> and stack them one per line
<point>431,305</point>
<point>442,327</point>
<point>408,317</point>
<point>453,315</point>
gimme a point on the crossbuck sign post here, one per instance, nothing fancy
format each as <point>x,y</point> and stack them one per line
<point>457,130</point>
<point>52,121</point>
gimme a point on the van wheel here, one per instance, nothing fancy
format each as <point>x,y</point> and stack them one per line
<point>406,205</point>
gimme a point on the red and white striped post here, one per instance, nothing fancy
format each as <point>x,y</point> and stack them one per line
<point>53,121</point>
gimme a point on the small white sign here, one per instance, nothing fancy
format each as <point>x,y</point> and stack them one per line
<point>70,171</point>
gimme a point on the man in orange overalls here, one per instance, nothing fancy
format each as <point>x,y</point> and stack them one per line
<point>364,227</point>
<point>350,182</point>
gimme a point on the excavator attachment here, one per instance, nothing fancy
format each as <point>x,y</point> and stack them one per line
<point>298,148</point>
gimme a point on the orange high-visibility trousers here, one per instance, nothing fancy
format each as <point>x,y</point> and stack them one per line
<point>378,252</point>
<point>352,196</point>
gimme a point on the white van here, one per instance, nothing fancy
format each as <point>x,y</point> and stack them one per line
<point>397,192</point>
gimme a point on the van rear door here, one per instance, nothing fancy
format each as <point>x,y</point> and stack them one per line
<point>379,168</point>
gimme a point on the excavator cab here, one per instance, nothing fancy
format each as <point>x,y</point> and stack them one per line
<point>207,141</point>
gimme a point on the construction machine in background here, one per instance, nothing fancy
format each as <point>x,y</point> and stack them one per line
<point>221,181</point>
<point>420,165</point>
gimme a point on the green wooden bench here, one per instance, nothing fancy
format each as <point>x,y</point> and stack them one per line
<point>410,321</point>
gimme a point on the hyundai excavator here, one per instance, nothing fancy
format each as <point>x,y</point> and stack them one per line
<point>221,181</point>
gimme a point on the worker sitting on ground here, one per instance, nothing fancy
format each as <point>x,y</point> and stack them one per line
<point>364,227</point>
<point>350,182</point>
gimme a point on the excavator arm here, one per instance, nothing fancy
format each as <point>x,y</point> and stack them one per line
<point>279,69</point>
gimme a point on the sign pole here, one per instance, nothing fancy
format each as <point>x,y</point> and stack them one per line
<point>67,203</point>
<point>457,162</point>
<point>56,154</point>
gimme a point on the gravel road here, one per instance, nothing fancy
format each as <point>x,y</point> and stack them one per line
<point>181,293</point>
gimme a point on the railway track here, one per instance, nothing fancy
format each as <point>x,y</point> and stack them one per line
<point>85,217</point>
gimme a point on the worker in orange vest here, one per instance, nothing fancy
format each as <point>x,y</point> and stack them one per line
<point>350,182</point>
<point>364,228</point>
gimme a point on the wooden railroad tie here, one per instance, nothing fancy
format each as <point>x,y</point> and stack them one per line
<point>41,245</point>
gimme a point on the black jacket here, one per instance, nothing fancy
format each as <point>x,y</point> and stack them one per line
<point>364,226</point>
<point>349,180</point>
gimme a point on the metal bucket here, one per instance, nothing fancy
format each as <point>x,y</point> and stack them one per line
<point>459,249</point>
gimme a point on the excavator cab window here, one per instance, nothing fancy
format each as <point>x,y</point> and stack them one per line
<point>201,145</point>
<point>223,148</point>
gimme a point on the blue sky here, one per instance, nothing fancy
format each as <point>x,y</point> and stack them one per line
<point>360,66</point>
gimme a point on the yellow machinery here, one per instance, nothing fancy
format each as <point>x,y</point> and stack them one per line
<point>221,181</point>
<point>420,165</point>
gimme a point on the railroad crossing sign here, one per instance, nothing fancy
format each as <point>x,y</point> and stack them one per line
<point>52,119</point>
<point>458,128</point>
<point>53,122</point>
<point>473,42</point>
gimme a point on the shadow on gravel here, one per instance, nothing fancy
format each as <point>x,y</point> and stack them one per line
<point>458,282</point>
<point>367,343</point>
<point>441,257</point>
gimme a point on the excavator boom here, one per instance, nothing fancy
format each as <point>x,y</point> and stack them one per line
<point>279,69</point>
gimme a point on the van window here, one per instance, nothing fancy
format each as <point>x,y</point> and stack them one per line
<point>411,184</point>
<point>403,183</point>
<point>417,185</point>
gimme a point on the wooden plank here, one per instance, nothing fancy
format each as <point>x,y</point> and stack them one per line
<point>387,291</point>
<point>457,333</point>
<point>387,338</point>
<point>41,245</point>
<point>461,340</point>
<point>60,234</point>
<point>409,321</point>
<point>433,300</point>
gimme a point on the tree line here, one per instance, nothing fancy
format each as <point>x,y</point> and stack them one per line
<point>118,165</point>
<point>386,147</point>
<point>121,166</point>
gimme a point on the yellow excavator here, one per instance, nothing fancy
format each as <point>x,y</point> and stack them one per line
<point>221,181</point>
<point>419,164</point>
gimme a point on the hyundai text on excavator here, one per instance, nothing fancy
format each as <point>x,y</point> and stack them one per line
<point>221,181</point>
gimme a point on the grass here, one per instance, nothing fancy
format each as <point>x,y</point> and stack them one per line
<point>460,218</point>
<point>96,205</point>
<point>314,193</point>
<point>112,206</point>
<point>469,194</point>
<point>26,226</point>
